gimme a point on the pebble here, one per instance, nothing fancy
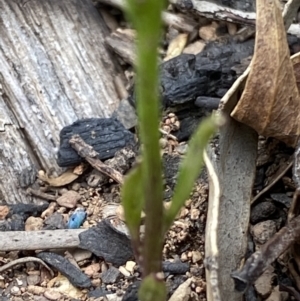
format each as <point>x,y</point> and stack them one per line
<point>69,199</point>
<point>33,223</point>
<point>208,32</point>
<point>263,231</point>
<point>15,291</point>
<point>4,210</point>
<point>76,186</point>
<point>80,255</point>
<point>52,295</point>
<point>196,256</point>
<point>33,279</point>
<point>129,266</point>
<point>55,221</point>
<point>111,275</point>
<point>92,269</point>
<point>123,270</point>
<point>195,213</point>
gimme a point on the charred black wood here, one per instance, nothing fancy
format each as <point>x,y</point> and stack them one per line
<point>208,74</point>
<point>105,135</point>
<point>65,267</point>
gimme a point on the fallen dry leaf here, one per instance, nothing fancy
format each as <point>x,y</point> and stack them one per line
<point>270,102</point>
<point>66,178</point>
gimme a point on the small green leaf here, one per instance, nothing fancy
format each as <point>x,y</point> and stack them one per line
<point>152,288</point>
<point>132,199</point>
<point>190,167</point>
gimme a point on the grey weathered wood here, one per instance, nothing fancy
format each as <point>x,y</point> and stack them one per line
<point>55,69</point>
<point>39,240</point>
<point>235,163</point>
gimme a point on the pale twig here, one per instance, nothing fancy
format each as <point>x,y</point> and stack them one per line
<point>25,260</point>
<point>211,262</point>
<point>90,155</point>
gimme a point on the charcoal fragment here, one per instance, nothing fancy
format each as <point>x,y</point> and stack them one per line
<point>65,267</point>
<point>27,210</point>
<point>55,221</point>
<point>111,275</point>
<point>282,198</point>
<point>175,267</point>
<point>105,135</point>
<point>98,292</point>
<point>262,211</point>
<point>107,243</point>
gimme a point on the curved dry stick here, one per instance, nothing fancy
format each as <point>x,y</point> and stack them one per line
<point>24,260</point>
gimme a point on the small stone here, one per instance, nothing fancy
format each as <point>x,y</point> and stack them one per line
<point>124,271</point>
<point>15,291</point>
<point>52,295</point>
<point>76,186</point>
<point>263,231</point>
<point>181,149</point>
<point>92,269</point>
<point>4,210</point>
<point>69,199</point>
<point>197,256</point>
<point>195,213</point>
<point>33,279</point>
<point>129,266</point>
<point>184,257</point>
<point>80,255</point>
<point>33,224</point>
<point>208,32</point>
<point>111,275</point>
<point>55,221</point>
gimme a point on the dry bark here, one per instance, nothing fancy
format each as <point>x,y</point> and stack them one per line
<point>55,69</point>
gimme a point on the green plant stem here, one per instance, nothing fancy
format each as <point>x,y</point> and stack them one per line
<point>146,17</point>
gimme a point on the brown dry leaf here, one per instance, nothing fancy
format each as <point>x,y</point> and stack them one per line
<point>66,178</point>
<point>176,46</point>
<point>270,102</point>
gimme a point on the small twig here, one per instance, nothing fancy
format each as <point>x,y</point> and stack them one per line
<point>24,260</point>
<point>279,174</point>
<point>168,135</point>
<point>268,253</point>
<point>41,194</point>
<point>211,262</point>
<point>90,155</point>
<point>291,290</point>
